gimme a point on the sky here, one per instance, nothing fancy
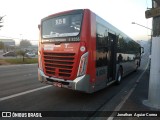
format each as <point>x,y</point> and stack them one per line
<point>23,16</point>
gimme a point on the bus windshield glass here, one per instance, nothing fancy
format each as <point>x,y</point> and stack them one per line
<point>62,26</point>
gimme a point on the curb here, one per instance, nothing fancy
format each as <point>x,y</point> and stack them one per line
<point>3,66</point>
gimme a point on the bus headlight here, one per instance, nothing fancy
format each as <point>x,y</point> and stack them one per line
<point>83,65</point>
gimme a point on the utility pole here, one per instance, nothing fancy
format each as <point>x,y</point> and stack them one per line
<point>154,80</point>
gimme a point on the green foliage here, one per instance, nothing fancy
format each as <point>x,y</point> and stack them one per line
<point>21,53</point>
<point>19,61</point>
<point>25,43</point>
<point>1,45</point>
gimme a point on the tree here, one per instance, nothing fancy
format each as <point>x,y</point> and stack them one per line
<point>25,43</point>
<point>1,21</point>
<point>1,45</point>
<point>21,53</point>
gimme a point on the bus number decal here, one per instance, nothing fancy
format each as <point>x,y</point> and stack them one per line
<point>74,39</point>
<point>60,21</point>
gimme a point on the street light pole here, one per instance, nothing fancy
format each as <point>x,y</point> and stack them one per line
<point>141,25</point>
<point>146,28</point>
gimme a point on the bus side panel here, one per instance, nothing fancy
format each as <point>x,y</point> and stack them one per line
<point>101,55</point>
<point>89,36</point>
<point>85,29</point>
<point>92,48</point>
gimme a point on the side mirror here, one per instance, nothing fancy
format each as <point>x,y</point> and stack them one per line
<point>142,50</point>
<point>39,26</point>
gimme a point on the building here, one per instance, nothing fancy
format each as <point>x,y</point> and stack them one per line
<point>8,42</point>
<point>8,45</point>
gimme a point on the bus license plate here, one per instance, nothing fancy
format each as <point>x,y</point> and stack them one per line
<point>57,84</point>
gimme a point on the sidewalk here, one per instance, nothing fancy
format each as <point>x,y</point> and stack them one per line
<point>135,102</point>
<point>130,101</point>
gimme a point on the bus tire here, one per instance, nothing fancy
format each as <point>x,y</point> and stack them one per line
<point>119,76</point>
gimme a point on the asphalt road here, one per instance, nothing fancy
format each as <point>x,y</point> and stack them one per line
<point>21,91</point>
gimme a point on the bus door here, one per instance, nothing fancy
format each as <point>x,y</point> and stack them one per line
<point>112,57</point>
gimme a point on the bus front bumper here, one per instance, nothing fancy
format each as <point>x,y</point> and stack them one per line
<point>81,83</point>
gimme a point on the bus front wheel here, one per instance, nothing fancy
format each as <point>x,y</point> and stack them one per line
<point>119,76</point>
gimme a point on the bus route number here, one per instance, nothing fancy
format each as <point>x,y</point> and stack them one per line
<point>60,21</point>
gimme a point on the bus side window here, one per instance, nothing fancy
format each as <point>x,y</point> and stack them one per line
<point>120,44</point>
<point>101,46</point>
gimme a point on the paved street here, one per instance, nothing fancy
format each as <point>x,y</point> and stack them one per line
<point>17,78</point>
<point>20,91</point>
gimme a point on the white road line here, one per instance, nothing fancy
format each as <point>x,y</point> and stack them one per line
<point>23,93</point>
<point>126,97</point>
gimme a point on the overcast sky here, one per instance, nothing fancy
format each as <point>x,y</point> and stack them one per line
<point>23,16</point>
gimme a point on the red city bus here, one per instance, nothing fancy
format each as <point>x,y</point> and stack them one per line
<point>79,50</point>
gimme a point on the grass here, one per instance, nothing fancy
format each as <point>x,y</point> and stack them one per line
<point>19,61</point>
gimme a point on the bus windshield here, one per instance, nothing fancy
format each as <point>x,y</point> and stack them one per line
<point>62,26</point>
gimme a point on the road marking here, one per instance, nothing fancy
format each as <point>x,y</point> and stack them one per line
<point>26,75</point>
<point>111,117</point>
<point>23,93</point>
